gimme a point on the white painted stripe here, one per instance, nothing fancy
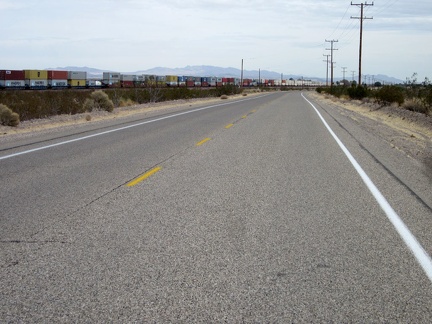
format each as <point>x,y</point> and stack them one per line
<point>122,128</point>
<point>410,240</point>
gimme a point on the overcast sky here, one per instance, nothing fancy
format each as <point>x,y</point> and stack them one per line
<point>285,36</point>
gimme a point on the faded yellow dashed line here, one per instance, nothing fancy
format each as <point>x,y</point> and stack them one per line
<point>229,126</point>
<point>203,141</point>
<point>143,177</point>
<point>244,116</point>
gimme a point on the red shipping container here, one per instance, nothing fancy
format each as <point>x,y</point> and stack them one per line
<point>12,75</point>
<point>205,84</point>
<point>224,79</point>
<point>127,84</point>
<point>190,83</point>
<point>231,80</point>
<point>57,75</point>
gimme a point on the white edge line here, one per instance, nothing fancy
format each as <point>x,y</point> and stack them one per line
<point>410,240</point>
<point>122,128</point>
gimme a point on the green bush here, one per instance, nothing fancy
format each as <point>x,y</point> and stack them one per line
<point>8,117</point>
<point>358,93</point>
<point>390,94</point>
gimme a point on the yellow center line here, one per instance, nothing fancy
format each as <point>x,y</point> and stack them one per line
<point>252,111</point>
<point>203,141</point>
<point>143,177</point>
<point>244,116</point>
<point>229,126</point>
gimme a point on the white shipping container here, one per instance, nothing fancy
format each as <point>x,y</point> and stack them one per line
<point>36,83</point>
<point>111,76</point>
<point>94,83</point>
<point>127,77</point>
<point>58,83</point>
<point>76,75</point>
<point>12,83</point>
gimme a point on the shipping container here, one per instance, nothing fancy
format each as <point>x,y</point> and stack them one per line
<point>12,75</point>
<point>190,84</point>
<point>111,75</point>
<point>182,81</point>
<point>77,83</point>
<point>93,84</point>
<point>36,83</point>
<point>77,75</point>
<point>127,77</point>
<point>12,84</point>
<point>172,80</point>
<point>55,83</point>
<point>58,75</point>
<point>127,84</point>
<point>212,81</point>
<point>36,74</point>
<point>197,81</point>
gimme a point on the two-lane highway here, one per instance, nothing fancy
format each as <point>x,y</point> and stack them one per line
<point>249,211</point>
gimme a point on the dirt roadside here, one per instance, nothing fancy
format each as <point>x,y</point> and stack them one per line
<point>53,124</point>
<point>404,130</point>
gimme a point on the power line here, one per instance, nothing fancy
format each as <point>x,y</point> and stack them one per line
<point>327,55</point>
<point>362,5</point>
<point>331,49</point>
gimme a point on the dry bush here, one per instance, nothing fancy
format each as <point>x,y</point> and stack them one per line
<point>98,100</point>
<point>126,102</point>
<point>415,105</point>
<point>244,94</point>
<point>8,117</point>
<point>224,97</point>
<point>88,117</point>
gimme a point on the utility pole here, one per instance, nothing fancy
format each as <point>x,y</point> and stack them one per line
<point>343,72</point>
<point>331,55</point>
<point>241,77</point>
<point>327,55</point>
<point>259,77</point>
<point>362,5</point>
<point>353,73</point>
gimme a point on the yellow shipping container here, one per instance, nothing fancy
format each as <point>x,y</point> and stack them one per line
<point>77,83</point>
<point>36,74</point>
<point>171,78</point>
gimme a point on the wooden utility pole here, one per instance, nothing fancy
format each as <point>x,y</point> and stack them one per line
<point>241,77</point>
<point>362,5</point>
<point>331,54</point>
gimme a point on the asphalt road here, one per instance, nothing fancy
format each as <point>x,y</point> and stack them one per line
<point>251,212</point>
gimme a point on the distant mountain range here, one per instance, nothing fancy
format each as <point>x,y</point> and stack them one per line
<point>207,70</point>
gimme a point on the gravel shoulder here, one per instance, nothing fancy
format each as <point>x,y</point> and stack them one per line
<point>404,130</point>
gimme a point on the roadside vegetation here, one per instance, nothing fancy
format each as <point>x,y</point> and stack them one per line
<point>32,104</point>
<point>411,95</point>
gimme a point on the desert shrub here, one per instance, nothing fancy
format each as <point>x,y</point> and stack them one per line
<point>224,97</point>
<point>126,102</point>
<point>415,105</point>
<point>358,93</point>
<point>390,94</point>
<point>8,117</point>
<point>99,100</point>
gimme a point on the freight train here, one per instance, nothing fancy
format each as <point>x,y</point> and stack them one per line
<point>50,79</point>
